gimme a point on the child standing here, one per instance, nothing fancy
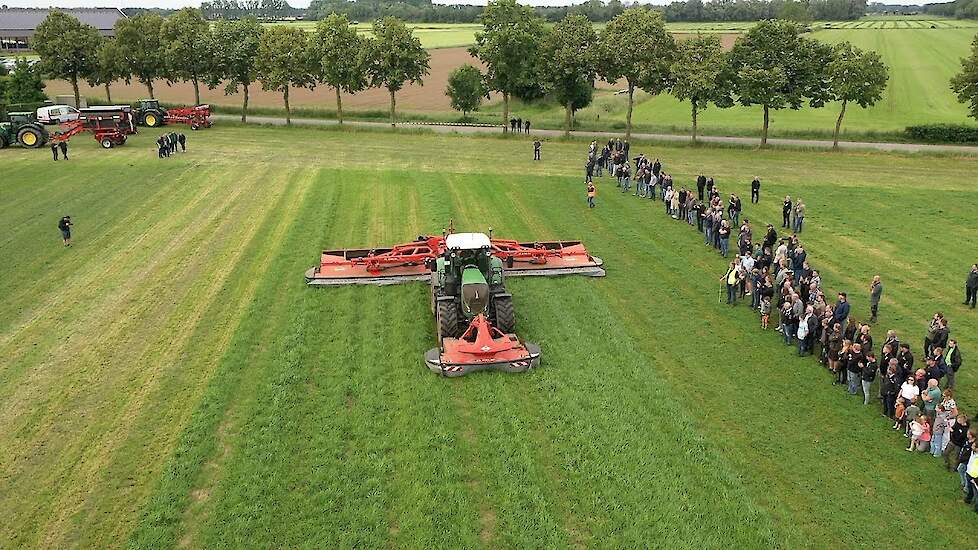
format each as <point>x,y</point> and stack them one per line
<point>916,432</point>
<point>765,312</point>
<point>912,412</point>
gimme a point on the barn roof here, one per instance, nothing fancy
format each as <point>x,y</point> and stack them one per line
<point>22,21</point>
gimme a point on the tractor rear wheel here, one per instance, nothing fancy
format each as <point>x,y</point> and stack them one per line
<point>30,137</point>
<point>447,320</point>
<point>106,143</point>
<point>505,313</point>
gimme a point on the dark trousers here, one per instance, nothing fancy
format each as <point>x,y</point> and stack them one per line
<point>889,405</point>
<point>787,219</point>
<point>700,191</point>
<point>731,294</point>
<point>536,154</point>
<point>874,308</point>
<point>970,295</point>
<point>54,151</point>
<point>755,196</point>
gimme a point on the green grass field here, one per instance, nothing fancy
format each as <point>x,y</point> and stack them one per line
<point>170,380</point>
<point>432,35</point>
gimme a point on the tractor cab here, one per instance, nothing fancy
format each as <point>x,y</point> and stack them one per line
<point>20,119</point>
<point>149,104</point>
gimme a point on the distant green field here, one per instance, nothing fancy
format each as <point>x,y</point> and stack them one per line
<point>432,35</point>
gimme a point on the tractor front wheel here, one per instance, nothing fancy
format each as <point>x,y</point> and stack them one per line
<point>505,319</point>
<point>447,320</point>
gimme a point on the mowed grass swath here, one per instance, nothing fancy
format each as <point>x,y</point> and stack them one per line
<point>171,380</point>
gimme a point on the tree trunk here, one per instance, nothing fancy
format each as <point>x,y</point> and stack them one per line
<point>505,112</point>
<point>244,107</point>
<point>288,111</point>
<point>393,106</point>
<point>767,119</point>
<point>628,117</point>
<point>196,91</point>
<point>74,87</point>
<point>149,86</point>
<point>339,106</point>
<point>838,125</point>
<point>108,94</point>
<point>694,120</point>
<point>568,121</point>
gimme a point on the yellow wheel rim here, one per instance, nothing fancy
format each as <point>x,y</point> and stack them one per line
<point>150,120</point>
<point>29,139</point>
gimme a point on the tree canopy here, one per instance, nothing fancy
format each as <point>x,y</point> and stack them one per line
<point>235,56</point>
<point>395,57</point>
<point>339,58</point>
<point>855,76</point>
<point>68,48</point>
<point>965,83</point>
<point>572,61</point>
<point>284,62</point>
<point>188,47</point>
<point>141,48</point>
<point>466,89</point>
<point>696,71</point>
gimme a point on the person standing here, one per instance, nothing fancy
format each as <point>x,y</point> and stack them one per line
<point>799,215</point>
<point>957,437</point>
<point>536,151</point>
<point>952,359</point>
<point>591,193</point>
<point>65,226</point>
<point>840,314</point>
<point>182,139</point>
<point>971,286</point>
<point>526,125</point>
<point>732,280</point>
<point>54,151</point>
<point>63,145</point>
<point>786,212</point>
<point>755,190</point>
<point>875,293</point>
<point>519,125</point>
<point>700,186</point>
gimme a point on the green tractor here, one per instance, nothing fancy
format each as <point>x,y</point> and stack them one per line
<point>149,113</point>
<point>23,128</point>
<point>468,281</point>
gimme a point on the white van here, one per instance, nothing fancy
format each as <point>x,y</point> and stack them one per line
<point>56,114</point>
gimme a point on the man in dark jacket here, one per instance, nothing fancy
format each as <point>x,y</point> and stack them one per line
<point>956,440</point>
<point>905,358</point>
<point>786,208</point>
<point>952,361</point>
<point>890,388</point>
<point>940,335</point>
<point>755,190</point>
<point>875,293</point>
<point>971,286</point>
<point>855,360</point>
<point>700,185</point>
<point>840,314</point>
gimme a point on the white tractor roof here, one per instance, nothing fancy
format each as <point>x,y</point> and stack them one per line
<point>467,241</point>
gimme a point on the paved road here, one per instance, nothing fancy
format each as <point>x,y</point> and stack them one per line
<point>815,144</point>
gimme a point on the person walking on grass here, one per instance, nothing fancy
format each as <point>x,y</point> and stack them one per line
<point>971,287</point>
<point>755,190</point>
<point>65,226</point>
<point>536,152</point>
<point>526,126</point>
<point>875,293</point>
<point>63,145</point>
<point>591,193</point>
<point>182,140</point>
<point>54,151</point>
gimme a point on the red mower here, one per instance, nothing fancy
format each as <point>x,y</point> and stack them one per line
<point>475,317</point>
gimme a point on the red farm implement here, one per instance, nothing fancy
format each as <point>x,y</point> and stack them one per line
<point>475,317</point>
<point>109,125</point>
<point>196,117</point>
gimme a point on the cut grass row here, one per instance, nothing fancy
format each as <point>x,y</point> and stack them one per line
<point>658,415</point>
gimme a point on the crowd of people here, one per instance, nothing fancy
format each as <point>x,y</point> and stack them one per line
<point>168,143</point>
<point>775,276</point>
<point>519,125</point>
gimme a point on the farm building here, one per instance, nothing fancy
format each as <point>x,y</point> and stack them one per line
<point>17,25</point>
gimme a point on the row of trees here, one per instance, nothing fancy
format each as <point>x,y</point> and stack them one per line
<point>235,53</point>
<point>756,10</point>
<point>772,66</point>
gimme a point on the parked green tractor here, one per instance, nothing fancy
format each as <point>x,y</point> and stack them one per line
<point>23,128</point>
<point>149,113</point>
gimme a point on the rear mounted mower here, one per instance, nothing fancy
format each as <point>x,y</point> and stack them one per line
<point>475,318</point>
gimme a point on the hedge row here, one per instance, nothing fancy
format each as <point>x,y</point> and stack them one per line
<point>943,133</point>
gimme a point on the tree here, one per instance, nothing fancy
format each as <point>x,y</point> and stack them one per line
<point>68,48</point>
<point>854,75</point>
<point>636,46</point>
<point>466,88</point>
<point>772,66</point>
<point>793,10</point>
<point>24,84</point>
<point>139,43</point>
<point>695,72</point>
<point>395,56</point>
<point>109,67</point>
<point>283,62</point>
<point>235,55</point>
<point>509,47</point>
<point>188,47</point>
<point>965,83</point>
<point>571,54</point>
<point>338,57</point>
